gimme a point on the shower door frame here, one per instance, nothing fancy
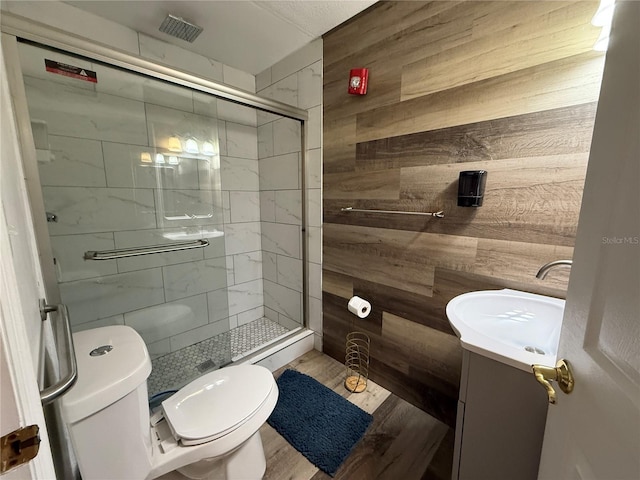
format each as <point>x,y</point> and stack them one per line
<point>49,37</point>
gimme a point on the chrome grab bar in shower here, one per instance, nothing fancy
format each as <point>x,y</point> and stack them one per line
<point>49,394</point>
<point>439,214</point>
<point>135,251</point>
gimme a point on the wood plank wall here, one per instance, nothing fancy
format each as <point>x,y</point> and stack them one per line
<point>509,87</point>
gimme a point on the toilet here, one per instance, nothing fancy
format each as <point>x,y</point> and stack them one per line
<point>209,429</point>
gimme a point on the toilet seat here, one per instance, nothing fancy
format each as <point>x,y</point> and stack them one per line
<point>217,403</point>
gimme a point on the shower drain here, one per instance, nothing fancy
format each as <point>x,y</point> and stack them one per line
<point>534,350</point>
<point>206,365</point>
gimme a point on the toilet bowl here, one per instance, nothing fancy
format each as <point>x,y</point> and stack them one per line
<point>209,429</point>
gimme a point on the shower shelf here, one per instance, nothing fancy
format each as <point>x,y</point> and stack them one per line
<point>439,214</point>
<point>135,251</point>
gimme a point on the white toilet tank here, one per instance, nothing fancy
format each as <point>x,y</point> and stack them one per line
<point>107,409</point>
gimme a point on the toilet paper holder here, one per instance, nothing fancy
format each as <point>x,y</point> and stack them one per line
<point>357,348</point>
<point>357,361</point>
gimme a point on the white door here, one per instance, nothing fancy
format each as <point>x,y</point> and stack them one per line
<point>21,287</point>
<point>594,433</point>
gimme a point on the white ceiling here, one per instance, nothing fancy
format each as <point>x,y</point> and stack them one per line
<point>248,35</point>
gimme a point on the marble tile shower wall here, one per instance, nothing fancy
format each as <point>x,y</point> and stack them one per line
<point>105,200</point>
<point>296,80</point>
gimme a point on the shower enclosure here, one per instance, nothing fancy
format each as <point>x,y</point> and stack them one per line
<point>165,212</point>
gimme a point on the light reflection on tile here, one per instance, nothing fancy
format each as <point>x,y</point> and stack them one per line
<point>125,168</point>
<point>163,321</point>
<point>164,123</point>
<point>110,295</point>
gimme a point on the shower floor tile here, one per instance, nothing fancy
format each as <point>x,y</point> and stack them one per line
<point>176,369</point>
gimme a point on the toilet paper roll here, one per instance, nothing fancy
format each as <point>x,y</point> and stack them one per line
<point>359,306</point>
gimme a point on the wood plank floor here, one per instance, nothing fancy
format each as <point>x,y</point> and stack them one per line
<point>403,442</point>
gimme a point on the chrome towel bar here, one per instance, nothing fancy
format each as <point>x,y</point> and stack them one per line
<point>439,214</point>
<point>49,394</point>
<point>135,251</point>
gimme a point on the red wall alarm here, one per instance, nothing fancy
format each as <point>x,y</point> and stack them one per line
<point>358,79</point>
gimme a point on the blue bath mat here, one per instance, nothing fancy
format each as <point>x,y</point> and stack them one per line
<point>316,421</point>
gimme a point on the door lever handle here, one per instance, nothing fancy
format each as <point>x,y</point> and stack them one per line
<point>561,373</point>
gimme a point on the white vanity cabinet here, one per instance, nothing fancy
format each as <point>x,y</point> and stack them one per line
<point>500,423</point>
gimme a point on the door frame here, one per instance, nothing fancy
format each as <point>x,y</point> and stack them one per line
<point>14,341</point>
<point>24,137</point>
<point>22,381</point>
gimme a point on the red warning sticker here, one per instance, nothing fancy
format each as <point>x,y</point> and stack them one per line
<point>71,71</point>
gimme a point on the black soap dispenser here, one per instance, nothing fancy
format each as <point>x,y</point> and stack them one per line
<point>471,188</point>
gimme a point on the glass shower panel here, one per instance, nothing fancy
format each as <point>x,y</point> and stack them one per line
<point>129,161</point>
<point>281,208</point>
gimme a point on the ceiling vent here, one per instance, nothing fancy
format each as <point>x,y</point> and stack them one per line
<point>180,28</point>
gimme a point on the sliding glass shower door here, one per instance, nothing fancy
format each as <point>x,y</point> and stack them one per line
<point>130,164</point>
<point>127,161</point>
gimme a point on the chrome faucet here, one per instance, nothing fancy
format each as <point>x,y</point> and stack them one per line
<point>542,273</point>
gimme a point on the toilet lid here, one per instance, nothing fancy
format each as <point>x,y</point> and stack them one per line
<point>217,403</point>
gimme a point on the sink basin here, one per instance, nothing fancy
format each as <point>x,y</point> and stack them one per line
<point>516,328</point>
